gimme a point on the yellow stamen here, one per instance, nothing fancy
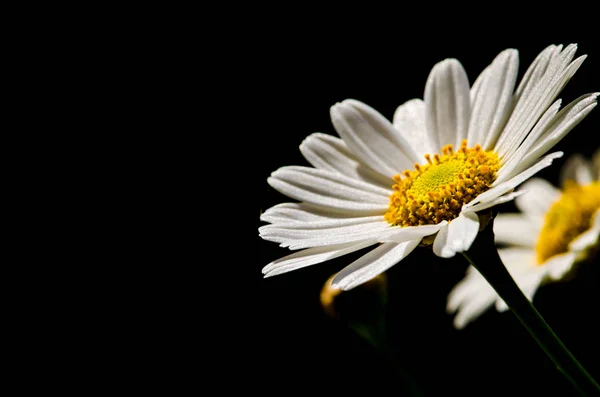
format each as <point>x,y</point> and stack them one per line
<point>568,217</point>
<point>437,190</point>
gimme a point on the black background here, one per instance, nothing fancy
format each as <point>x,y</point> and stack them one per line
<point>295,346</point>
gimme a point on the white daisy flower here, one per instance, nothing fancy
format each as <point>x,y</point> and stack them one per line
<point>556,229</point>
<point>423,178</point>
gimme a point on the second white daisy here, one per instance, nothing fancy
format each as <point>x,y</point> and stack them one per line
<point>556,229</point>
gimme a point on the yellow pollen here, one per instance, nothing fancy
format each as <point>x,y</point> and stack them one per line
<point>437,190</point>
<point>567,218</point>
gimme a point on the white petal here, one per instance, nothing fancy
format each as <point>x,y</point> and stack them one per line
<point>493,99</point>
<point>501,306</point>
<point>539,198</point>
<point>447,104</point>
<point>299,212</point>
<point>588,238</point>
<point>461,233</point>
<point>494,202</point>
<point>372,138</point>
<point>332,154</point>
<point>528,282</point>
<point>473,309</point>
<point>517,259</point>
<point>564,122</point>
<point>521,264</point>
<point>413,233</point>
<point>474,92</point>
<point>529,108</point>
<point>576,169</point>
<point>330,189</point>
<point>536,70</point>
<point>324,226</point>
<point>477,297</point>
<point>297,236</point>
<point>558,265</point>
<point>464,231</point>
<point>441,240</point>
<point>473,295</point>
<point>465,289</point>
<point>312,256</point>
<point>510,161</point>
<point>409,120</point>
<point>515,229</point>
<point>504,187</point>
<point>372,264</point>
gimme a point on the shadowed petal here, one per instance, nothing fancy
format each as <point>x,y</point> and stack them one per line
<point>372,264</point>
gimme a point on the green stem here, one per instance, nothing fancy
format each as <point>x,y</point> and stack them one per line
<point>483,255</point>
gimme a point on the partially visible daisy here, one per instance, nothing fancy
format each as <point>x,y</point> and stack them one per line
<point>423,178</point>
<point>556,229</point>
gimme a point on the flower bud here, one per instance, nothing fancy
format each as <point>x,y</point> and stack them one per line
<point>360,304</point>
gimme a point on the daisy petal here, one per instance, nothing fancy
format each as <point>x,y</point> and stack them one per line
<point>298,212</point>
<point>461,234</point>
<point>440,241</point>
<point>473,295</point>
<point>515,229</point>
<point>409,120</point>
<point>559,265</point>
<point>330,189</point>
<point>507,186</point>
<point>539,198</point>
<point>412,233</point>
<point>521,264</point>
<point>368,232</point>
<point>577,169</point>
<point>528,283</point>
<point>529,108</point>
<point>536,70</point>
<point>564,122</point>
<point>510,161</point>
<point>515,258</point>
<point>312,256</point>
<point>466,288</point>
<point>372,138</point>
<point>296,236</point>
<point>372,264</point>
<point>447,104</point>
<point>473,308</point>
<point>494,202</point>
<point>332,154</point>
<point>588,238</point>
<point>474,92</point>
<point>323,226</point>
<point>493,99</point>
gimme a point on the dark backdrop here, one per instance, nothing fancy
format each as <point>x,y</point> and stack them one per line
<point>294,344</point>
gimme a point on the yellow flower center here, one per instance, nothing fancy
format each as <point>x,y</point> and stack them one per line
<point>568,217</point>
<point>436,191</point>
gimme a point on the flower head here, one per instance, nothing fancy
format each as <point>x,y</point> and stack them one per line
<point>424,177</point>
<point>555,230</point>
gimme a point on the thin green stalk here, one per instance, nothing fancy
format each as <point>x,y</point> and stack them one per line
<point>483,255</point>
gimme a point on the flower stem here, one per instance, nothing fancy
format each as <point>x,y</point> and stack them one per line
<point>483,255</point>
